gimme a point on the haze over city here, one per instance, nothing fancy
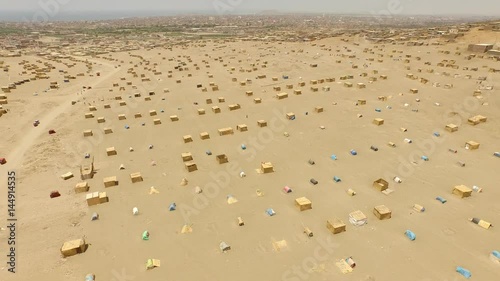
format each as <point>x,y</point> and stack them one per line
<point>113,8</point>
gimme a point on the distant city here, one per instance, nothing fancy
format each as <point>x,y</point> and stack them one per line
<point>30,15</point>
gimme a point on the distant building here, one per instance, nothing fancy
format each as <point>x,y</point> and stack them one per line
<point>480,48</point>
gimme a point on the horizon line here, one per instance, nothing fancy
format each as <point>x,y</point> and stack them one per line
<point>251,12</point>
<point>114,15</point>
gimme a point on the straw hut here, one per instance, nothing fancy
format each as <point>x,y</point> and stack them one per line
<point>476,120</point>
<point>216,109</point>
<point>187,138</point>
<point>81,187</point>
<point>186,156</point>
<point>226,131</point>
<point>242,127</point>
<point>266,167</point>
<point>472,145</point>
<point>382,212</point>
<point>303,204</point>
<point>234,107</point>
<point>191,166</point>
<point>335,226</point>
<point>462,191</point>
<point>281,96</point>
<point>221,158</point>
<point>136,177</point>
<point>110,151</point>
<point>381,184</point>
<point>378,121</point>
<point>110,181</point>
<point>451,128</point>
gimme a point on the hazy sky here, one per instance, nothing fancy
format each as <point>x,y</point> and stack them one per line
<point>465,7</point>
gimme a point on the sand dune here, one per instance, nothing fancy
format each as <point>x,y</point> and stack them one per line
<point>444,236</point>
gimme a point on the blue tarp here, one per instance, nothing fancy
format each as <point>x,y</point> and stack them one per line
<point>172,207</point>
<point>465,273</point>
<point>441,199</point>
<point>410,235</point>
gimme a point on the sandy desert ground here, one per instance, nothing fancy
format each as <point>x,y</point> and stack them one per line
<point>445,237</point>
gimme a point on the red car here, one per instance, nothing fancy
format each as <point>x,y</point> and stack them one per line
<point>55,194</point>
<point>3,161</point>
